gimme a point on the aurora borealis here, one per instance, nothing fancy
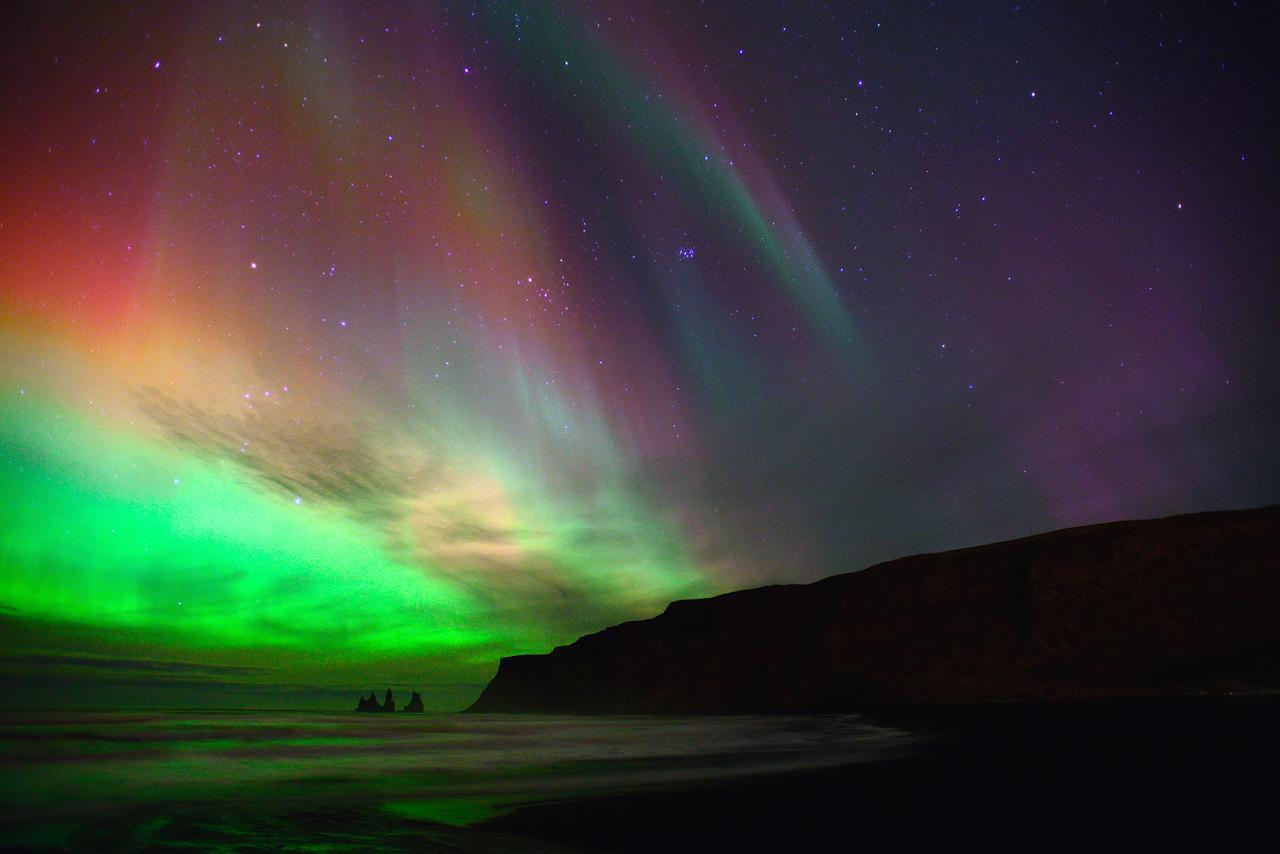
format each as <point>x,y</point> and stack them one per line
<point>355,344</point>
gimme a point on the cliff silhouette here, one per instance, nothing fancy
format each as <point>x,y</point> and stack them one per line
<point>1176,605</point>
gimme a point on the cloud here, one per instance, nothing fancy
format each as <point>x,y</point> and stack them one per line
<point>531,550</point>
<point>295,453</point>
<point>140,667</point>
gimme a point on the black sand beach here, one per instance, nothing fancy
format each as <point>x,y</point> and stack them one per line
<point>1184,772</point>
<point>1177,772</point>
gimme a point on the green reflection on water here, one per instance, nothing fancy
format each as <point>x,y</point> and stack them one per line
<point>457,812</point>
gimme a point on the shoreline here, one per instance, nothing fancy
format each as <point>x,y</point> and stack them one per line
<point>1180,770</point>
<point>1004,775</point>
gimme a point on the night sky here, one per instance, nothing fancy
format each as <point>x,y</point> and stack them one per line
<point>346,345</point>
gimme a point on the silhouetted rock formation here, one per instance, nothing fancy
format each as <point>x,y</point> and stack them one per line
<point>415,703</point>
<point>1187,603</point>
<point>371,704</point>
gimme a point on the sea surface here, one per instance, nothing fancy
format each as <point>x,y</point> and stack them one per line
<point>221,780</point>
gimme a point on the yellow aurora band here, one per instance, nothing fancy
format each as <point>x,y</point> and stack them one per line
<point>297,380</point>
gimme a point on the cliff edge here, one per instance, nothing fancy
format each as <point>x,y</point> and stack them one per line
<point>1182,604</point>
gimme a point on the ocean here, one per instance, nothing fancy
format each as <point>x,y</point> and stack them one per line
<point>227,780</point>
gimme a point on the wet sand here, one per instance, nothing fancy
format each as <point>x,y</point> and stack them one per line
<point>1191,772</point>
<point>1181,772</point>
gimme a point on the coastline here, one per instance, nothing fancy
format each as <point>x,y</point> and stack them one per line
<point>1006,776</point>
<point>1179,771</point>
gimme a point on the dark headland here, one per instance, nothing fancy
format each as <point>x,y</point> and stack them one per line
<point>1182,605</point>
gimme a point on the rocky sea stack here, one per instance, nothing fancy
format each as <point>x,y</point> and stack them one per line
<point>1168,606</point>
<point>371,704</point>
